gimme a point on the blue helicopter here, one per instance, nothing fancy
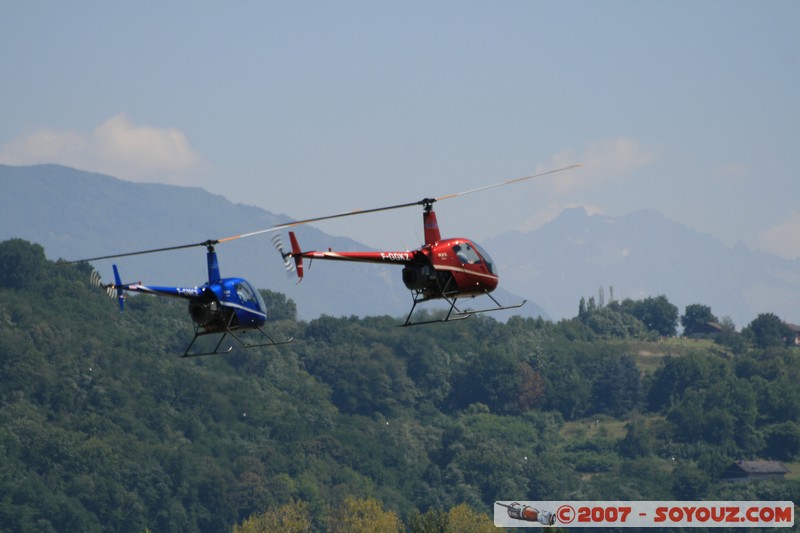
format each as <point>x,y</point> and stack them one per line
<point>224,306</point>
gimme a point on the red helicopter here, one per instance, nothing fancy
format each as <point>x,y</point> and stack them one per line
<point>448,269</point>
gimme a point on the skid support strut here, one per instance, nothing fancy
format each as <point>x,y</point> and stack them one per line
<point>229,331</point>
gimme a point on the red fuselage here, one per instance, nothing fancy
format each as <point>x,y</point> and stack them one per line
<point>445,268</point>
<point>441,268</point>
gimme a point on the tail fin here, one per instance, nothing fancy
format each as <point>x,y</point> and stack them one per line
<point>297,255</point>
<point>118,286</point>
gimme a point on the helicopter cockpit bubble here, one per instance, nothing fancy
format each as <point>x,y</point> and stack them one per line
<point>253,297</point>
<point>466,253</point>
<point>245,292</point>
<point>487,259</point>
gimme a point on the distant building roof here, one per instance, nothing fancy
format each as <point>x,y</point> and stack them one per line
<point>705,330</point>
<point>762,467</point>
<point>793,327</point>
<point>757,469</point>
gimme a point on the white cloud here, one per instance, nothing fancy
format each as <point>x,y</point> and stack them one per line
<point>603,162</point>
<point>116,147</point>
<point>783,239</point>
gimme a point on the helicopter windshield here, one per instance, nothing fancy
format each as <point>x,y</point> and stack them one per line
<point>248,294</point>
<point>466,253</point>
<point>487,260</point>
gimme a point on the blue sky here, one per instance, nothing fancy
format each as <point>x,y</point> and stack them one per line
<point>309,108</point>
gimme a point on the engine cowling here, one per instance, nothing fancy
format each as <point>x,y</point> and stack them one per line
<point>418,277</point>
<point>204,312</point>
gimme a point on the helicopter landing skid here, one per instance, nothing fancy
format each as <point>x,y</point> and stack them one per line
<point>459,315</point>
<point>418,297</point>
<point>499,306</point>
<point>230,332</point>
<point>449,317</point>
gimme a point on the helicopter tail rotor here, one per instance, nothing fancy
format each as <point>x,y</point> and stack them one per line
<point>290,265</point>
<point>277,242</point>
<point>97,282</point>
<point>118,285</point>
<point>296,255</point>
<point>113,290</point>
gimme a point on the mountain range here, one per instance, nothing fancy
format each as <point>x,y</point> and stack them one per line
<point>644,254</point>
<point>76,214</point>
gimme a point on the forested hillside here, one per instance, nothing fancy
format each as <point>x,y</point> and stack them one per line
<point>104,428</point>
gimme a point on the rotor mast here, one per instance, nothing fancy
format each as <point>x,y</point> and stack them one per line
<point>429,222</point>
<point>213,264</point>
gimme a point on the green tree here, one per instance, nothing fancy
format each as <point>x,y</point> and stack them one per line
<point>289,518</point>
<point>609,322</point>
<point>635,479</point>
<point>783,441</point>
<point>779,399</point>
<point>21,264</point>
<point>582,308</point>
<point>462,519</point>
<point>639,440</point>
<point>433,521</point>
<point>768,330</point>
<point>279,307</point>
<point>676,375</point>
<point>689,482</point>
<point>617,388</point>
<point>729,338</point>
<point>695,317</point>
<point>492,380</point>
<point>530,387</point>
<point>357,515</point>
<point>459,519</point>
<point>657,313</point>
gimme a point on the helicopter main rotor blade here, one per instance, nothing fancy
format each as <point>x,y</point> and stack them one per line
<point>507,182</point>
<point>318,219</point>
<point>142,252</point>
<point>423,202</point>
